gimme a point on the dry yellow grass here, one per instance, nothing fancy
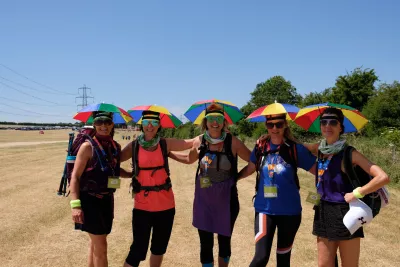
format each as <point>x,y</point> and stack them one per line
<point>37,229</point>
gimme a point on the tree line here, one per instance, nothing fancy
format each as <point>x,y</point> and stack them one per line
<point>360,89</point>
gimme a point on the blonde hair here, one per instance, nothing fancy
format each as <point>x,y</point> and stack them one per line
<point>213,107</point>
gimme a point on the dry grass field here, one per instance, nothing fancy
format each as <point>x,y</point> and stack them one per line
<point>37,230</point>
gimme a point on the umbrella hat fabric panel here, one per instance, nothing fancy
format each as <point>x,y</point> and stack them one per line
<point>309,117</point>
<point>197,111</point>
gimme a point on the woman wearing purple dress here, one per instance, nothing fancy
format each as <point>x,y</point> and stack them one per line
<point>216,203</point>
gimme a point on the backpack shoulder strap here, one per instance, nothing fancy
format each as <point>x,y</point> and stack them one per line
<point>260,152</point>
<point>232,159</point>
<point>164,150</point>
<point>294,160</point>
<point>202,151</point>
<point>293,152</point>
<point>260,156</point>
<point>228,147</point>
<point>202,148</point>
<point>292,149</point>
<point>135,162</point>
<point>347,162</point>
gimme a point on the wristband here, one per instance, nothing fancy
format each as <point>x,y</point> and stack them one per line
<point>356,193</point>
<point>76,203</point>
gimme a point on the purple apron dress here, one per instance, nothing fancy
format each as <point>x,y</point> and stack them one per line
<point>211,207</point>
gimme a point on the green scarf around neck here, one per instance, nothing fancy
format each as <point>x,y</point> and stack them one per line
<point>214,141</point>
<point>147,144</point>
<point>332,148</point>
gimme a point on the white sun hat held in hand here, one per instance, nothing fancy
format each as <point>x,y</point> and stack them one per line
<point>358,215</point>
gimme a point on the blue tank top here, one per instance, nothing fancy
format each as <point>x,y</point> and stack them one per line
<point>334,182</point>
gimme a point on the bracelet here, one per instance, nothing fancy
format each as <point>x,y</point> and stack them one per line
<point>76,203</point>
<point>356,193</point>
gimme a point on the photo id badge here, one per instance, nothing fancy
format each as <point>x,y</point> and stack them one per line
<point>270,191</point>
<point>205,182</point>
<point>114,182</point>
<point>313,198</point>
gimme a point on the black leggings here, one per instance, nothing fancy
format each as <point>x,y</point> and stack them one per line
<point>143,222</point>
<point>264,226</point>
<point>224,242</point>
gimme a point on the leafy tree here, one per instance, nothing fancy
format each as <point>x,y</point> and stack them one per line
<point>383,110</point>
<point>317,97</point>
<point>244,126</point>
<point>275,88</point>
<point>355,89</point>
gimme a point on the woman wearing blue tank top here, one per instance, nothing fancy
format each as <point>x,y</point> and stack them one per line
<point>335,193</point>
<point>277,201</point>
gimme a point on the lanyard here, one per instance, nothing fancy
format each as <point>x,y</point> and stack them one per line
<point>105,154</point>
<point>102,149</point>
<point>322,167</point>
<point>208,159</point>
<point>271,165</point>
<point>270,161</point>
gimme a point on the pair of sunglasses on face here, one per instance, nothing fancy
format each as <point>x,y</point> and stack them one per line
<point>154,123</point>
<point>278,125</point>
<point>100,122</point>
<point>331,122</point>
<point>218,119</point>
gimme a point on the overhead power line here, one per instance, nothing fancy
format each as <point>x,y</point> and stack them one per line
<point>11,113</point>
<point>30,104</point>
<point>29,87</point>
<point>29,79</point>
<point>34,112</point>
<point>36,97</point>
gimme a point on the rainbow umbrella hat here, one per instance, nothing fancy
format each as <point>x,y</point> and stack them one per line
<point>309,117</point>
<point>197,111</point>
<point>167,119</point>
<point>120,116</point>
<point>276,108</point>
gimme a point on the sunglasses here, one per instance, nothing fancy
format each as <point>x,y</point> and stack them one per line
<point>155,123</point>
<point>218,119</point>
<point>331,122</point>
<point>100,122</point>
<point>278,125</point>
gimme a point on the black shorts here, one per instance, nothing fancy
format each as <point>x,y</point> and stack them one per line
<point>328,222</point>
<point>143,222</point>
<point>98,213</point>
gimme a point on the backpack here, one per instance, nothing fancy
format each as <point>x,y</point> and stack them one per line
<point>135,184</point>
<point>288,153</point>
<point>64,178</point>
<point>203,149</point>
<point>357,178</point>
<point>85,134</point>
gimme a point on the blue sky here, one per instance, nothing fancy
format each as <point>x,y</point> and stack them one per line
<point>174,53</point>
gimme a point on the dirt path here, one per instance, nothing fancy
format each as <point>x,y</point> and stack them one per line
<point>37,229</point>
<point>11,144</point>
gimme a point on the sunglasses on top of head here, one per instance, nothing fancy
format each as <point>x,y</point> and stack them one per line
<point>146,122</point>
<point>100,122</point>
<point>218,119</point>
<point>331,122</point>
<point>278,125</point>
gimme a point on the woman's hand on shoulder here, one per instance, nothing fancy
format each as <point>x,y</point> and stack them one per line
<point>262,138</point>
<point>313,148</point>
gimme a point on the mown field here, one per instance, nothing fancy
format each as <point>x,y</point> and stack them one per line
<point>37,229</point>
